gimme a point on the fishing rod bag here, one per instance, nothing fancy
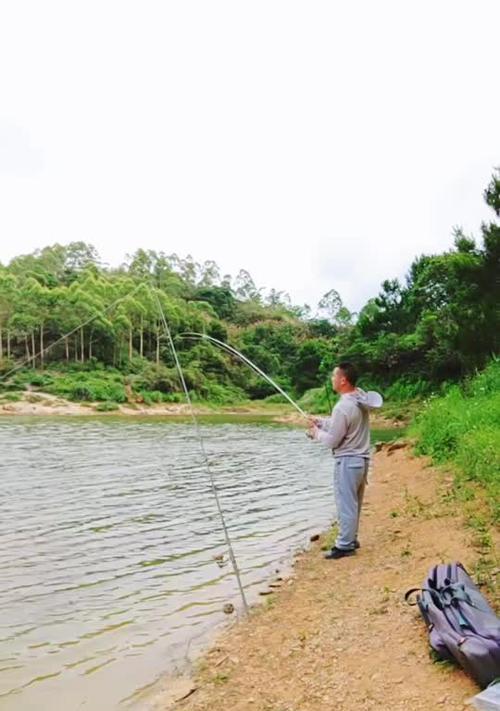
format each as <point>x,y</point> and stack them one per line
<point>461,624</point>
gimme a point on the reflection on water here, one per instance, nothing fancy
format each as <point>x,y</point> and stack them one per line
<point>108,531</point>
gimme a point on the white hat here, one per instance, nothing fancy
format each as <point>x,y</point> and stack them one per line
<point>374,399</point>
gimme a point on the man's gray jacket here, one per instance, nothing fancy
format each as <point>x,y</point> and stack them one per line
<point>347,430</point>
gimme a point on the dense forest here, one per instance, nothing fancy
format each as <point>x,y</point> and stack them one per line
<point>62,311</point>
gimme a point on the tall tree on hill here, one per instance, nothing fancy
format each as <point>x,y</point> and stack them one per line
<point>8,287</point>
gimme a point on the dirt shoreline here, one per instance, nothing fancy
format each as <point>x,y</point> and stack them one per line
<point>338,635</point>
<point>37,403</point>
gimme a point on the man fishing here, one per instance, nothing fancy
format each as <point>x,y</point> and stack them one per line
<point>347,433</point>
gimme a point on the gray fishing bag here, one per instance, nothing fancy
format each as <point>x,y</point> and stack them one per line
<point>462,626</point>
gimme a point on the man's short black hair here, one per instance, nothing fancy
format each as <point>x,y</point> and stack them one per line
<point>350,371</point>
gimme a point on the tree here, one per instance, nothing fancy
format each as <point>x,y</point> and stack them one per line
<point>209,274</point>
<point>8,287</point>
<point>245,287</point>
<point>492,192</point>
<point>141,264</point>
<point>329,305</point>
<point>219,297</point>
<point>441,322</point>
<point>306,370</point>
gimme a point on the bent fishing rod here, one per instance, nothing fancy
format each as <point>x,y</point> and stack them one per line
<point>229,349</point>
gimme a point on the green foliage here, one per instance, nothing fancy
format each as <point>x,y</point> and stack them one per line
<point>307,368</point>
<point>317,400</point>
<point>25,379</point>
<point>276,399</point>
<point>444,322</point>
<point>89,386</point>
<point>151,377</point>
<point>40,380</point>
<point>11,396</point>
<point>107,406</point>
<point>154,397</point>
<point>404,389</point>
<point>221,394</point>
<point>220,298</point>
<point>463,427</point>
<point>438,326</point>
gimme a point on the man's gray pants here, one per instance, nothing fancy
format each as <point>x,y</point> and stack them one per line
<point>349,481</point>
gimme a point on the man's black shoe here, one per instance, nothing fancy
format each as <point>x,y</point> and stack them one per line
<point>336,553</point>
<point>356,545</point>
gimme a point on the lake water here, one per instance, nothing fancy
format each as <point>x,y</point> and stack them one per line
<point>108,531</point>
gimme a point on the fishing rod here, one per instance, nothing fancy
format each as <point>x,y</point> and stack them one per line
<point>328,397</point>
<point>204,453</point>
<point>251,364</point>
<point>84,323</point>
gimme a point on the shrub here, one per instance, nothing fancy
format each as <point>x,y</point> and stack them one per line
<point>89,386</point>
<point>40,379</point>
<point>317,400</point>
<point>221,394</point>
<point>463,427</point>
<point>155,378</point>
<point>106,406</point>
<point>275,399</point>
<point>403,389</point>
<point>11,396</point>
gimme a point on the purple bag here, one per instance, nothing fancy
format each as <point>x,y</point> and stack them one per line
<point>462,626</point>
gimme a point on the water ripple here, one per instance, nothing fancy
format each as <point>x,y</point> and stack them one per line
<point>108,532</point>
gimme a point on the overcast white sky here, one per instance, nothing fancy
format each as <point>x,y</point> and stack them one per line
<point>316,144</point>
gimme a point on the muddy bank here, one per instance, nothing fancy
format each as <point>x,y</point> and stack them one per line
<point>338,635</point>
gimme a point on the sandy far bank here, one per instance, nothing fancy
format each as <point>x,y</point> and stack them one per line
<point>46,404</point>
<point>36,403</point>
<point>338,635</point>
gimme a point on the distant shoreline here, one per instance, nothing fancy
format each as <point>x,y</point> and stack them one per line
<point>40,404</point>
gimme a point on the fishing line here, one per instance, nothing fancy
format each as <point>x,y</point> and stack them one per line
<point>328,397</point>
<point>215,341</point>
<point>203,451</point>
<point>34,356</point>
<point>234,351</point>
<point>44,350</point>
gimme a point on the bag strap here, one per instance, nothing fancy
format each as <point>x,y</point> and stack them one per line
<point>445,596</point>
<point>457,592</point>
<point>409,593</point>
<point>434,594</point>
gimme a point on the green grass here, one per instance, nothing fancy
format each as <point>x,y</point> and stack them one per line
<point>330,537</point>
<point>317,400</point>
<point>463,428</point>
<point>402,399</point>
<point>107,406</point>
<point>220,678</point>
<point>93,382</point>
<point>11,396</point>
<point>89,386</point>
<point>72,382</point>
<point>388,434</point>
